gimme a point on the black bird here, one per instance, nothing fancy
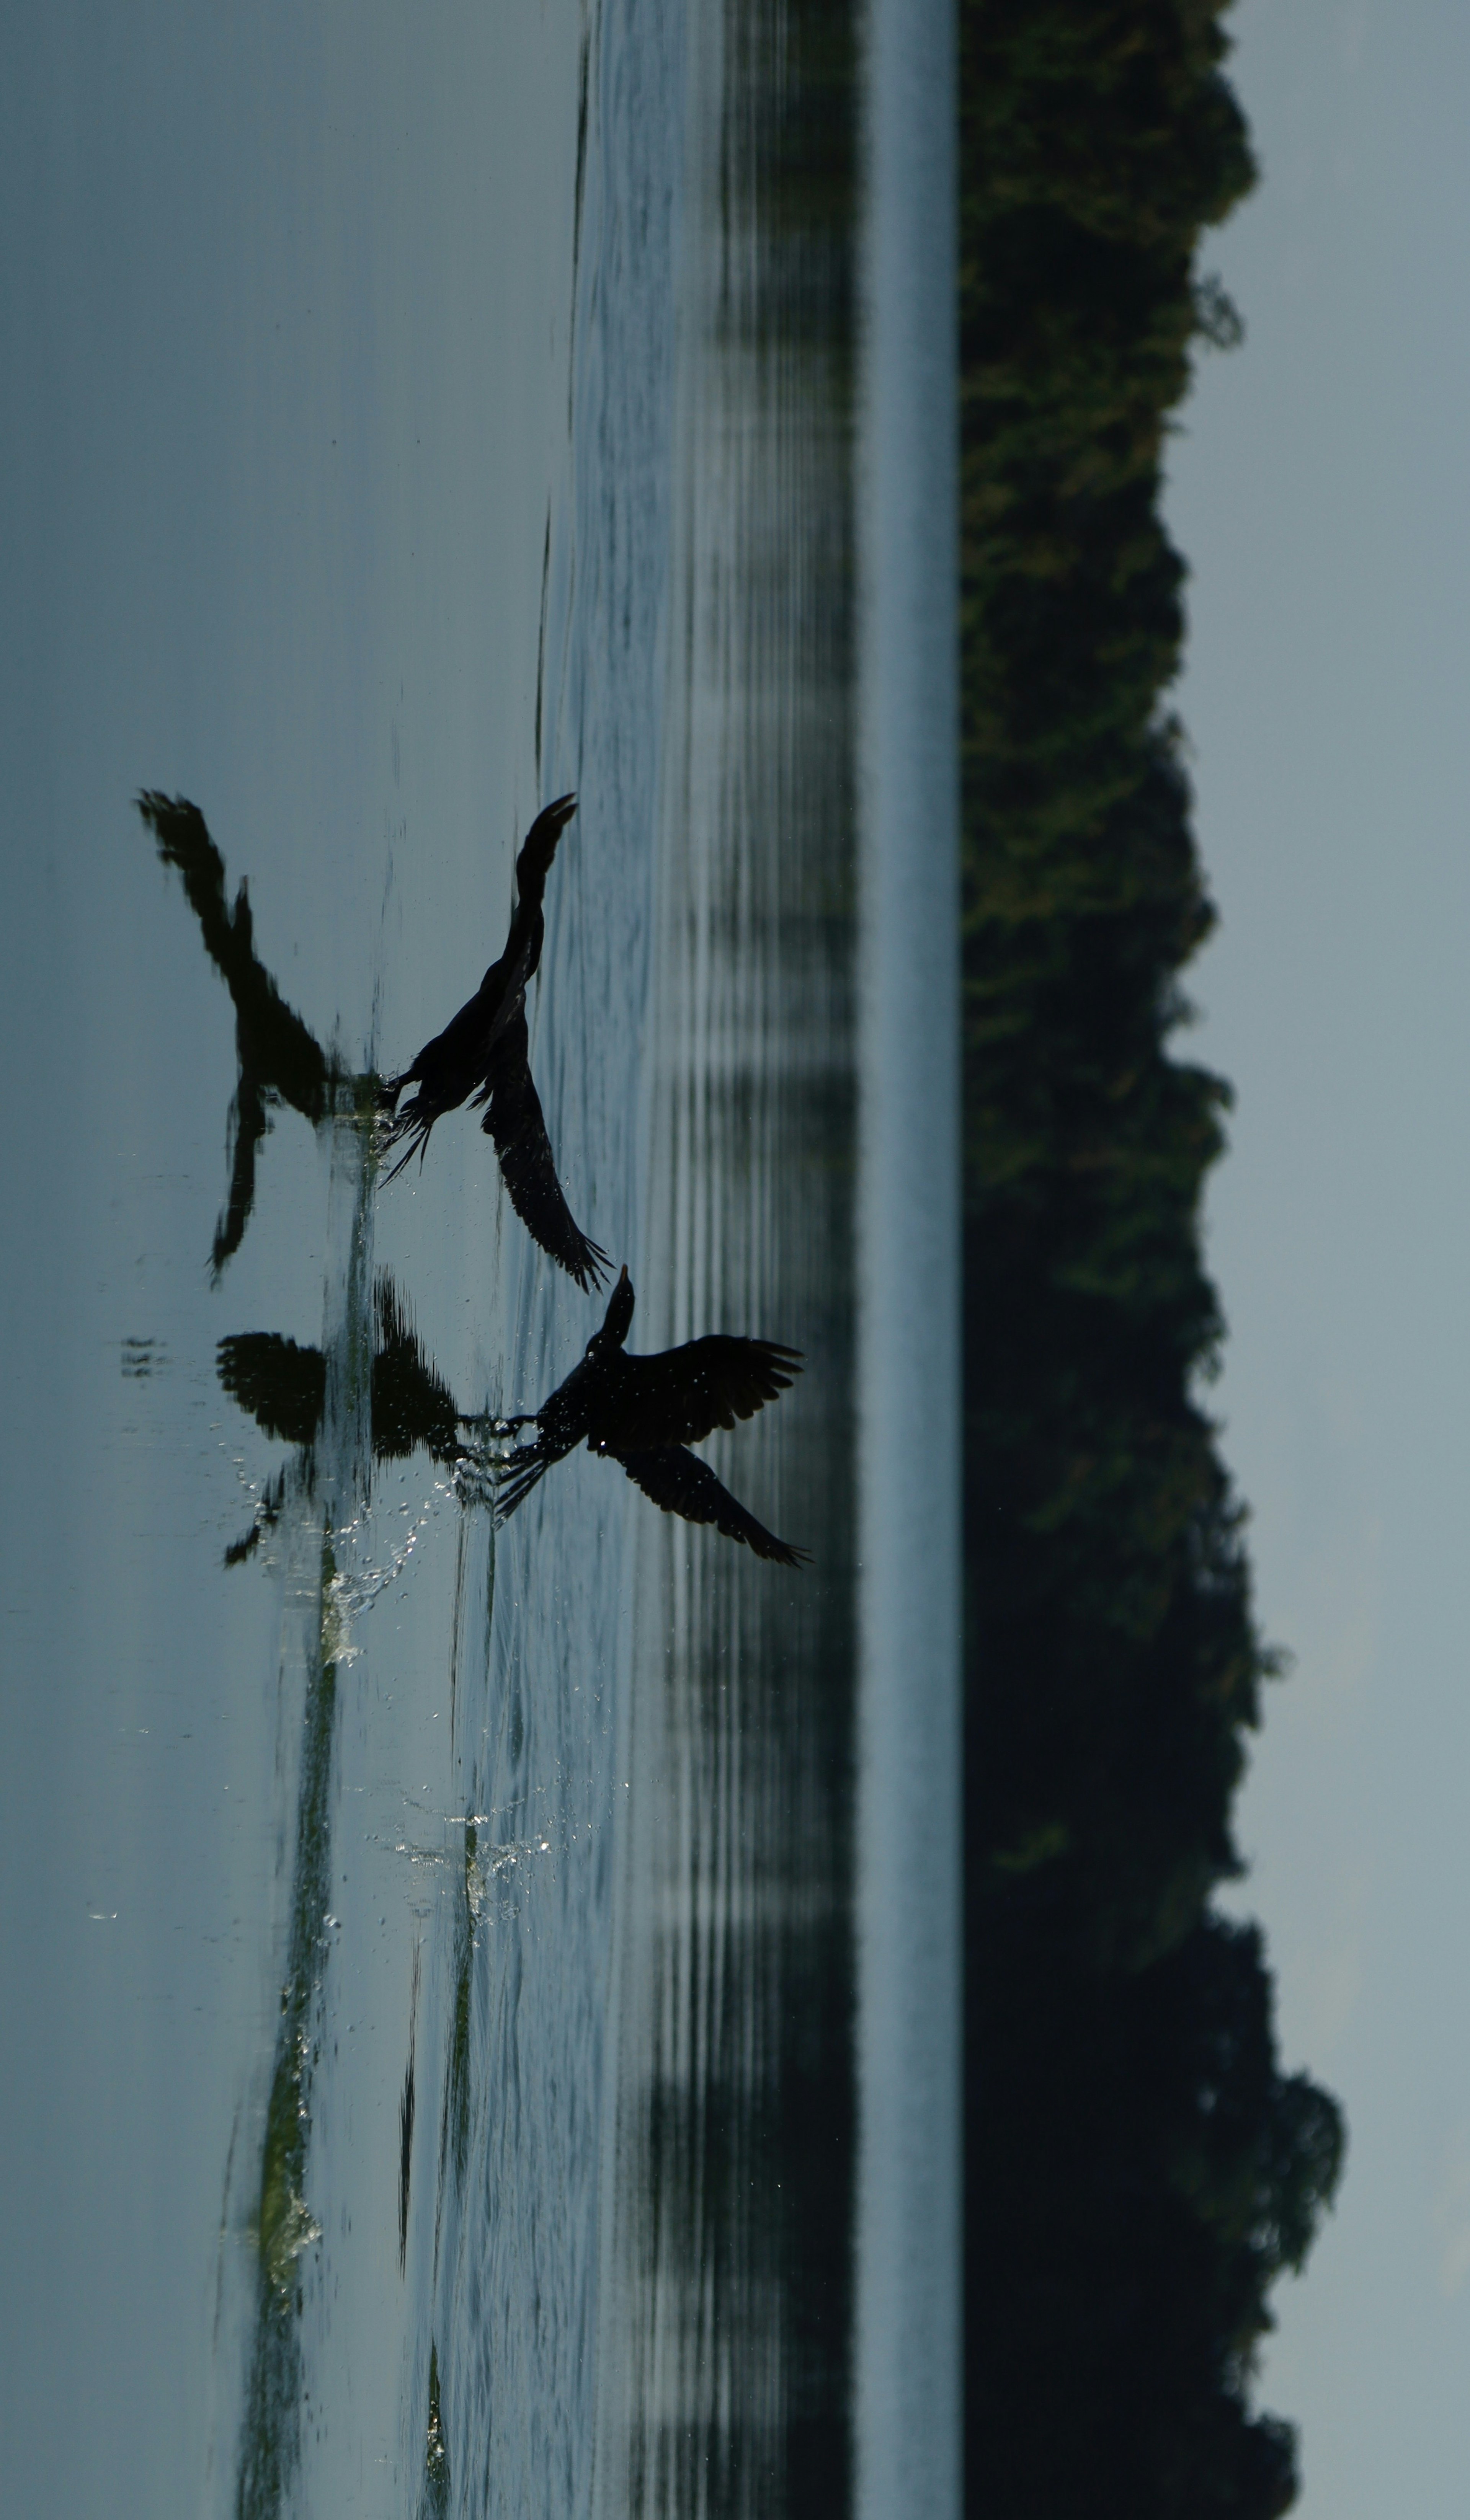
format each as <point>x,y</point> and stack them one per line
<point>644,1411</point>
<point>483,1055</point>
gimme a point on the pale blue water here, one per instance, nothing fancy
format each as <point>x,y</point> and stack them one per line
<point>430,1953</point>
<point>908,2391</point>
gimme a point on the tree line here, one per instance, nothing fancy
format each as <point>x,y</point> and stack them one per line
<point>1139,2168</point>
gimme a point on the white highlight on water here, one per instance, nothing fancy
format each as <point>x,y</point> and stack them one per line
<point>907,2388</point>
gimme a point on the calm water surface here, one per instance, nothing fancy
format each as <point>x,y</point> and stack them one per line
<point>431,1947</point>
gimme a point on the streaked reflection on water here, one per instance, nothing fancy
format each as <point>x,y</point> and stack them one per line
<point>728,2330</point>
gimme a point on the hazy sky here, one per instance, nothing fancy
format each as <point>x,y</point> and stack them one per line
<point>1321,494</point>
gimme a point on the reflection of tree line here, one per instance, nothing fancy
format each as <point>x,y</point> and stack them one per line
<point>642,1411</point>
<point>1141,2170</point>
<point>283,2221</point>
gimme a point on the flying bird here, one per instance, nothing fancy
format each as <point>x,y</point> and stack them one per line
<point>484,1056</point>
<point>644,1412</point>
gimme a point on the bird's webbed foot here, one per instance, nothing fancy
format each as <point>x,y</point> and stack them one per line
<point>409,1124</point>
<point>516,1477</point>
<point>483,1468</point>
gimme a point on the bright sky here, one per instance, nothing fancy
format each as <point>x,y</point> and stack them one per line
<point>1321,492</point>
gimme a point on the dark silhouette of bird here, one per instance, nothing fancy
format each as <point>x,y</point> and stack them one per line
<point>643,1411</point>
<point>280,1058</point>
<point>484,1056</point>
<point>283,1386</point>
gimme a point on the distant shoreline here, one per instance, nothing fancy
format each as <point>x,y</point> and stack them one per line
<point>1138,2169</point>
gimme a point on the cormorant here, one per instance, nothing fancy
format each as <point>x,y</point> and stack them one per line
<point>484,1056</point>
<point>644,1411</point>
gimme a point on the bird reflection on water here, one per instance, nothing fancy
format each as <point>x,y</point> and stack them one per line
<point>281,1060</point>
<point>283,1386</point>
<point>644,1412</point>
<point>482,1056</point>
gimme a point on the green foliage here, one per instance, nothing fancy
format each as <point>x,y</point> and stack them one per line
<point>1141,2169</point>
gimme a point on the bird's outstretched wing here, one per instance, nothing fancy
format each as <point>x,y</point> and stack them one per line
<point>683,1394</point>
<point>517,1127</point>
<point>285,1055</point>
<point>411,1404</point>
<point>248,1123</point>
<point>465,1061</point>
<point>282,1386</point>
<point>280,1058</point>
<point>681,1483</point>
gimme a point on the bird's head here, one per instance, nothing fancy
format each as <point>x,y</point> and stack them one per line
<point>538,849</point>
<point>617,1319</point>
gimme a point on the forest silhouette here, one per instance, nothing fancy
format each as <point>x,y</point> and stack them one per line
<point>1140,2168</point>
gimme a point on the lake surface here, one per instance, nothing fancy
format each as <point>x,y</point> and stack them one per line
<point>432,1958</point>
